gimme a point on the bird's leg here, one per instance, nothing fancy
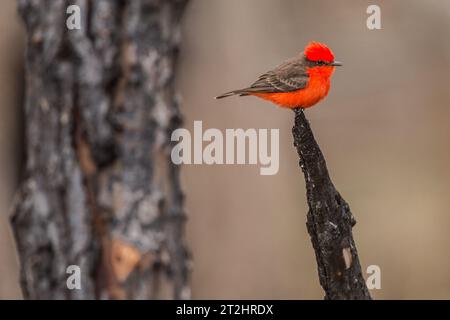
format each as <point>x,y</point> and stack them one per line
<point>297,110</point>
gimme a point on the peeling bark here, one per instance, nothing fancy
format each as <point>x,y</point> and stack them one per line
<point>100,189</point>
<point>329,221</point>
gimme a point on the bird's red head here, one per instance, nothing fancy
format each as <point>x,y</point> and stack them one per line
<point>316,51</point>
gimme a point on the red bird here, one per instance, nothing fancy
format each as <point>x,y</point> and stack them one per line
<point>300,82</point>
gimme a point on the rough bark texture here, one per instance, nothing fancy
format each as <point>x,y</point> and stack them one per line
<point>329,221</point>
<point>100,190</point>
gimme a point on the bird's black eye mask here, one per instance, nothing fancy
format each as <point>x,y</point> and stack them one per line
<point>319,63</point>
<point>310,63</point>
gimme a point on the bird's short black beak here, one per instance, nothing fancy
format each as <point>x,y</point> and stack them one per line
<point>336,63</point>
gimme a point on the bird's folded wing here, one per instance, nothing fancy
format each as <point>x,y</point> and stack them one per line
<point>285,78</point>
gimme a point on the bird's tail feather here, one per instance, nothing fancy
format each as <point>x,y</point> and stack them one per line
<point>242,92</point>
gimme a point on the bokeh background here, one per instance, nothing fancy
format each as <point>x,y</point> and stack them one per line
<point>384,130</point>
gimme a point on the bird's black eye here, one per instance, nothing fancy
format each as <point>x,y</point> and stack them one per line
<point>320,63</point>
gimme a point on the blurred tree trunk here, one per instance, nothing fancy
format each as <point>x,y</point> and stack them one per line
<point>100,190</point>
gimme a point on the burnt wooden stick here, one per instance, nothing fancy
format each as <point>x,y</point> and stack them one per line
<point>329,221</point>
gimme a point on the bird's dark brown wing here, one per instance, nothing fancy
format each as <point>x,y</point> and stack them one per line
<point>287,77</point>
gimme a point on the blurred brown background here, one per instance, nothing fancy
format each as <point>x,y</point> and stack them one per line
<point>384,130</point>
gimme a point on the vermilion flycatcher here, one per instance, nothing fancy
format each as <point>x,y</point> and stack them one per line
<point>300,82</point>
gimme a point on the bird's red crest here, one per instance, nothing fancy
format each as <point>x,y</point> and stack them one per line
<point>316,51</point>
